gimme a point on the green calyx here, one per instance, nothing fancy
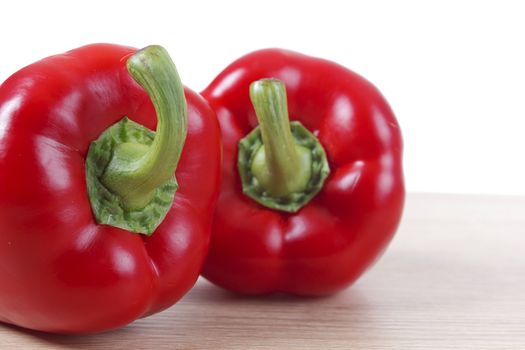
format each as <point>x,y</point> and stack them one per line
<point>129,168</point>
<point>282,165</point>
<point>108,207</point>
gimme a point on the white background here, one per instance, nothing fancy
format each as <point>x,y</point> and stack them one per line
<point>454,72</point>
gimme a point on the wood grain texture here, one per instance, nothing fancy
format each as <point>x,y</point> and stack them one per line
<point>453,278</point>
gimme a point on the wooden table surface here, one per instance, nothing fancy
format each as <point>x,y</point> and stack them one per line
<point>453,278</point>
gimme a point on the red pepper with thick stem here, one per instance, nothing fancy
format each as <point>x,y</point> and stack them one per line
<point>305,207</point>
<point>95,229</point>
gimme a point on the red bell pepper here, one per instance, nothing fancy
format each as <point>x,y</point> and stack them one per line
<point>304,207</point>
<point>92,233</point>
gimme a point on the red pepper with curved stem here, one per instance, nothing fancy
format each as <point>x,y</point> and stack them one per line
<point>95,230</point>
<point>305,207</point>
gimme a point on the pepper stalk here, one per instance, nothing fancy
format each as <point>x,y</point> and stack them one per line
<point>282,165</point>
<point>130,169</point>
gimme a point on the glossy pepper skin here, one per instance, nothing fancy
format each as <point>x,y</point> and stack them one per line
<point>331,241</point>
<point>60,271</point>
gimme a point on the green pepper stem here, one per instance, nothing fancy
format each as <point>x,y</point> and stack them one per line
<point>281,166</point>
<point>136,171</point>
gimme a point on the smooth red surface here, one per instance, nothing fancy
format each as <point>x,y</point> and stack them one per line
<point>333,239</point>
<point>59,270</point>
